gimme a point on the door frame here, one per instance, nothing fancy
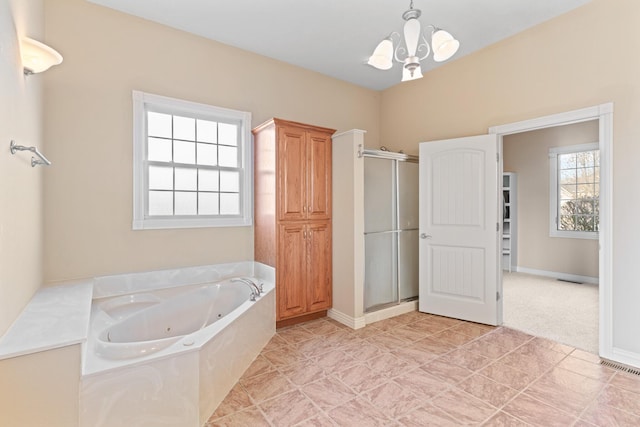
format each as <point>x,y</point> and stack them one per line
<point>604,114</point>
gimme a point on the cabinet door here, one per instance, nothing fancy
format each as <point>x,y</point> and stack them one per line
<point>291,173</point>
<point>291,270</point>
<point>319,285</point>
<point>319,176</point>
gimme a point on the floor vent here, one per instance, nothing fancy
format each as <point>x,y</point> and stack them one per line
<point>619,367</point>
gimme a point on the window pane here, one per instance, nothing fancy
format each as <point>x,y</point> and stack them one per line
<point>208,204</point>
<point>567,222</point>
<point>596,174</point>
<point>160,203</point>
<point>159,150</point>
<point>186,203</point>
<point>207,154</point>
<point>567,161</point>
<point>228,156</point>
<point>567,192</point>
<point>584,223</point>
<point>584,207</point>
<point>586,191</point>
<point>567,207</point>
<point>227,134</point>
<point>207,180</point>
<point>229,181</point>
<point>184,128</point>
<point>186,179</point>
<point>184,152</point>
<point>568,176</point>
<point>207,131</point>
<point>160,178</point>
<point>585,175</point>
<point>584,159</point>
<point>229,204</point>
<point>158,124</point>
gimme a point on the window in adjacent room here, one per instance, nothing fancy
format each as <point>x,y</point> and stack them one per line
<point>191,164</point>
<point>575,191</point>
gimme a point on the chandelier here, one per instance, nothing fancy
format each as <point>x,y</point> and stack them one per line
<point>416,48</point>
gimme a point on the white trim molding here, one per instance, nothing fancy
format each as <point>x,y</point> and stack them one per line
<point>604,114</point>
<point>352,322</point>
<point>561,276</point>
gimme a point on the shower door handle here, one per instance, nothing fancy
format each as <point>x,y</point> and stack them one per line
<point>425,236</point>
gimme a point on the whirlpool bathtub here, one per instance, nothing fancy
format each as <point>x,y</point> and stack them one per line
<point>172,353</point>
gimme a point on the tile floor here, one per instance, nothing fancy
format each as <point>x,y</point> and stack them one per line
<point>421,370</point>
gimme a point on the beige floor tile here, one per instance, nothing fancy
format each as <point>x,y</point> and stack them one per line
<point>249,417</point>
<point>620,398</point>
<point>235,401</point>
<point>446,371</point>
<point>421,384</point>
<point>392,399</point>
<point>603,415</point>
<point>537,413</point>
<point>487,390</point>
<point>358,412</point>
<point>466,359</point>
<point>504,420</point>
<point>289,409</point>
<point>266,386</point>
<point>328,392</point>
<point>565,390</point>
<point>391,366</point>
<point>302,373</point>
<point>419,369</point>
<point>509,376</point>
<point>361,378</point>
<point>463,407</point>
<point>428,415</point>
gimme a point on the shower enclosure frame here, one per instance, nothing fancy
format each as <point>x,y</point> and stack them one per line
<point>396,230</point>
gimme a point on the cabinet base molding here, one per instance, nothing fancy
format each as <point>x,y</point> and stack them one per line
<point>300,319</point>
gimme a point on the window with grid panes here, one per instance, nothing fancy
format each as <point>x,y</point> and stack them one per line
<point>191,164</point>
<point>575,195</point>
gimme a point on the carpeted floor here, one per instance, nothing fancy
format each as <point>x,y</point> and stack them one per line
<point>548,308</point>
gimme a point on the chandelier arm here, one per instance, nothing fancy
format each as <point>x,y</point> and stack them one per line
<point>402,51</point>
<point>422,46</point>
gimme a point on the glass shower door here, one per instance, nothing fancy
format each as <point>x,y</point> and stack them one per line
<point>380,239</point>
<point>408,229</point>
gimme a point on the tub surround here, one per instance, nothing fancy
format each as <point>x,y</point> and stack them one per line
<point>55,317</point>
<point>180,389</point>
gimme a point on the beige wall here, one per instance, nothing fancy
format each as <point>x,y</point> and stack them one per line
<point>20,184</point>
<point>564,64</point>
<point>527,154</point>
<point>88,123</point>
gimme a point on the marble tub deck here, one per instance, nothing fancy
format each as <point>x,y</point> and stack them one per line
<point>417,370</point>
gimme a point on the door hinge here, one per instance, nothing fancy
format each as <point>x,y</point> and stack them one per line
<point>497,296</point>
<point>497,157</point>
<point>497,226</point>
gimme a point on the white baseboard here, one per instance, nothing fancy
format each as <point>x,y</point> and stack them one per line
<point>396,310</point>
<point>555,275</point>
<point>352,322</point>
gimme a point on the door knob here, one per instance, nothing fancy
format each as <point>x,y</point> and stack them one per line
<point>425,236</point>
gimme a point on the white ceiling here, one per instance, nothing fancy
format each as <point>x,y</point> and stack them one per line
<point>336,37</point>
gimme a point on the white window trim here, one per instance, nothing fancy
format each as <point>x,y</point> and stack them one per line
<point>140,222</point>
<point>553,191</point>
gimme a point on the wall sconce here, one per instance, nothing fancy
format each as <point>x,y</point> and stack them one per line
<point>37,57</point>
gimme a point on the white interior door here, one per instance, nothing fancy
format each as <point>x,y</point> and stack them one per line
<point>459,229</point>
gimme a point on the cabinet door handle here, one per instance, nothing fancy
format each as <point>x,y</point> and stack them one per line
<point>304,234</point>
<point>304,208</point>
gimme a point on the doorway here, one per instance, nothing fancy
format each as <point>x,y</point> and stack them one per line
<point>604,115</point>
<point>550,262</point>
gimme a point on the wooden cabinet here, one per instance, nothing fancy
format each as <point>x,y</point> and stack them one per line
<point>293,215</point>
<point>304,174</point>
